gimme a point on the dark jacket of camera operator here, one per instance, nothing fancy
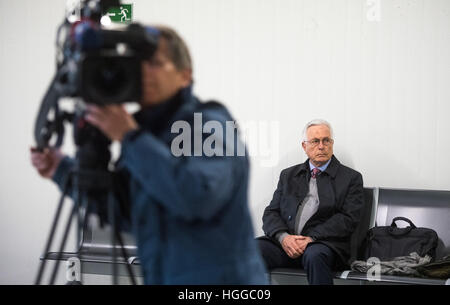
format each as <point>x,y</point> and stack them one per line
<point>189,214</point>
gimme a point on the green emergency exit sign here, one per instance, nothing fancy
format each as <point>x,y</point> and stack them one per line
<point>121,14</point>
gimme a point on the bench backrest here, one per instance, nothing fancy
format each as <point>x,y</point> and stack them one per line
<point>98,241</point>
<point>425,208</point>
<point>358,236</point>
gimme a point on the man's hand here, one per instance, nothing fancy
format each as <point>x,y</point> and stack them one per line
<point>46,162</point>
<point>113,120</point>
<point>295,245</point>
<point>303,241</point>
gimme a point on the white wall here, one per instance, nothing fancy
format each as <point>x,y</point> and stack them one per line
<point>382,84</point>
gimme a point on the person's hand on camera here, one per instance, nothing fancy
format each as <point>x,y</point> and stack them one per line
<point>46,162</point>
<point>113,120</point>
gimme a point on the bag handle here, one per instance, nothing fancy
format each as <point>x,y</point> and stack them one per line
<point>393,224</point>
<point>404,231</point>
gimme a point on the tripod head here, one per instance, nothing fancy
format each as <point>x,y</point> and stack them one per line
<point>92,145</point>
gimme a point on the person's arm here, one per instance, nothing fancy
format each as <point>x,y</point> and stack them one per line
<point>281,235</point>
<point>342,224</point>
<point>63,169</point>
<point>192,187</point>
<point>273,224</point>
<point>189,187</point>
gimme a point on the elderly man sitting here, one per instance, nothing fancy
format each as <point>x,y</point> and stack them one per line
<point>314,210</point>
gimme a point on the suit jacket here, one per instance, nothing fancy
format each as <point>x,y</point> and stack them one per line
<point>341,199</point>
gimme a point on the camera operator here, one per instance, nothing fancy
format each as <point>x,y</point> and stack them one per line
<point>189,214</point>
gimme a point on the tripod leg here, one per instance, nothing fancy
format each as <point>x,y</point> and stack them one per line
<point>125,256</point>
<point>52,231</point>
<point>112,221</point>
<point>63,243</point>
<point>82,228</point>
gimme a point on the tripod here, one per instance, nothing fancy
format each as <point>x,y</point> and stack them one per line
<point>92,185</point>
<point>77,179</point>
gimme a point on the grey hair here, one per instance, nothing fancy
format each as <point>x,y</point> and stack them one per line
<point>317,122</point>
<point>177,48</point>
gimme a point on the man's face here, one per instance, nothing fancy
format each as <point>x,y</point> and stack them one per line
<point>160,77</point>
<point>318,153</point>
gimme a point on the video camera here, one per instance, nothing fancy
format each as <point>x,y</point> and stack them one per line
<point>101,66</point>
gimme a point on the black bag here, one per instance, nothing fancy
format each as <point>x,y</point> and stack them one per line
<point>388,242</point>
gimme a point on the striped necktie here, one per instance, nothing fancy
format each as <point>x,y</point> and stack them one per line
<point>315,172</point>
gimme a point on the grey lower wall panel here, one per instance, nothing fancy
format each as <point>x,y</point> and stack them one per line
<point>94,273</point>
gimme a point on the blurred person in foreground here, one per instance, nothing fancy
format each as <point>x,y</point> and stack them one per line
<point>188,213</point>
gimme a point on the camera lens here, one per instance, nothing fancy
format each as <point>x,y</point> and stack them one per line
<point>110,79</point>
